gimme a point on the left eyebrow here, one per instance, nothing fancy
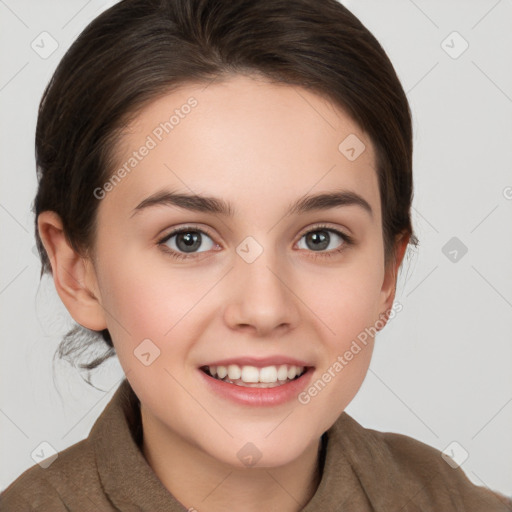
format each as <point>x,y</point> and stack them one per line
<point>209,204</point>
<point>329,200</point>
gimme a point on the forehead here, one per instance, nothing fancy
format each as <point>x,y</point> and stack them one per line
<point>244,139</point>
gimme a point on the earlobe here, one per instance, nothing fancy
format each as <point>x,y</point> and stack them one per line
<point>74,277</point>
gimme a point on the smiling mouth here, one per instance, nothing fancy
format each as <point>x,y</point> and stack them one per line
<point>254,377</point>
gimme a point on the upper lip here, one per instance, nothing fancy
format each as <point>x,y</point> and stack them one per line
<point>259,362</point>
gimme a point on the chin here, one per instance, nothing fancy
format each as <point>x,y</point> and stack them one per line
<point>260,452</point>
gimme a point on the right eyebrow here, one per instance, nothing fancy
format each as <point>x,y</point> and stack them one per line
<point>192,202</point>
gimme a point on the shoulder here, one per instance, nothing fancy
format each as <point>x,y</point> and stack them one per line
<point>398,468</point>
<point>440,478</point>
<point>70,479</point>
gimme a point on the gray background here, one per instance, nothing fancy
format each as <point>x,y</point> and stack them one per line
<point>441,370</point>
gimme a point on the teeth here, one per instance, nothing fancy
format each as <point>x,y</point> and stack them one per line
<point>252,374</point>
<point>234,372</point>
<point>222,371</point>
<point>292,372</point>
<point>268,374</point>
<point>282,372</point>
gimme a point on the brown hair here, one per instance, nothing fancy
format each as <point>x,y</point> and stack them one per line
<point>139,50</point>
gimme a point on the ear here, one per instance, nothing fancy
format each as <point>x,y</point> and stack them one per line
<point>388,290</point>
<point>74,276</point>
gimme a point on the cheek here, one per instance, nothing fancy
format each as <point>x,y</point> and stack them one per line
<point>344,302</point>
<point>346,311</point>
<point>132,297</point>
<point>146,300</point>
<point>344,307</point>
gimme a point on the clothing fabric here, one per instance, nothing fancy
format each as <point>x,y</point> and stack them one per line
<point>363,471</point>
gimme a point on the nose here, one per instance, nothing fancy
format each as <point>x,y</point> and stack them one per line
<point>261,296</point>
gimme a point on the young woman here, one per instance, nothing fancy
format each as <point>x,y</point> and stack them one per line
<point>224,199</point>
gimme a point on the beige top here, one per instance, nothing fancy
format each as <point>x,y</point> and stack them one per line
<point>363,470</point>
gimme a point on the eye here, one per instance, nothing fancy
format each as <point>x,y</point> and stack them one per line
<point>321,237</point>
<point>184,241</point>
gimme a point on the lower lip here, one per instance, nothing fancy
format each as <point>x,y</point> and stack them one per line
<point>259,396</point>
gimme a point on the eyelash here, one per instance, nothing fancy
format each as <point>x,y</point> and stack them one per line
<point>347,239</point>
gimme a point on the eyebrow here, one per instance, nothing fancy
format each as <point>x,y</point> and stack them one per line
<point>217,206</point>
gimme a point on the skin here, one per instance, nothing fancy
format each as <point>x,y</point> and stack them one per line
<point>259,145</point>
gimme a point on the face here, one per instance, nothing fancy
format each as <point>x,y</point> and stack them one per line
<point>260,285</point>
